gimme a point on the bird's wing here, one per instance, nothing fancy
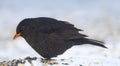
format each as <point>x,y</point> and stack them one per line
<point>67,34</point>
<point>67,31</point>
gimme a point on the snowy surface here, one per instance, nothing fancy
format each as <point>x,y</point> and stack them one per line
<point>74,61</point>
<point>99,19</point>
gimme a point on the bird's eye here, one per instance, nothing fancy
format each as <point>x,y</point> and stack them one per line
<point>22,28</point>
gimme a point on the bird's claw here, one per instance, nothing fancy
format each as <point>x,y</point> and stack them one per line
<point>50,61</point>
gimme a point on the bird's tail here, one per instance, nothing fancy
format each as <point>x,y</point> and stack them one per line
<point>89,41</point>
<point>96,42</point>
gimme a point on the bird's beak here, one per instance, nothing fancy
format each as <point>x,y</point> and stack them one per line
<point>17,35</point>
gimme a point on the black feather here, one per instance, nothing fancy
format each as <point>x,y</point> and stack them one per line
<point>51,37</point>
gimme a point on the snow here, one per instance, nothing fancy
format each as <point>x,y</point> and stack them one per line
<point>99,19</point>
<point>74,61</point>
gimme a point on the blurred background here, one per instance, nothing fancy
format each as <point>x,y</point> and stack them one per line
<point>100,19</point>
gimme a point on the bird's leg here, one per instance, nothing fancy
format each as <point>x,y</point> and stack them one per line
<point>49,61</point>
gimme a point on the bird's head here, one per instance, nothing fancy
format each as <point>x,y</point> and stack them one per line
<point>22,28</point>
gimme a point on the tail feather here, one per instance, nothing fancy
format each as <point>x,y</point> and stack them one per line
<point>89,41</point>
<point>96,42</point>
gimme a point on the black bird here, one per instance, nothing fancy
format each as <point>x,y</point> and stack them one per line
<point>51,37</point>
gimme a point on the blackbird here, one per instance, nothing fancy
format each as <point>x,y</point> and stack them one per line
<point>51,37</point>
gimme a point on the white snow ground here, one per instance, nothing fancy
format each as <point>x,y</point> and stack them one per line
<point>74,61</point>
<point>99,19</point>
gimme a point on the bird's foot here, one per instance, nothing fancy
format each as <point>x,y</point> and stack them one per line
<point>49,61</point>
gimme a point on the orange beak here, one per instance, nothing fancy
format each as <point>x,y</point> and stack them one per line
<point>17,35</point>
